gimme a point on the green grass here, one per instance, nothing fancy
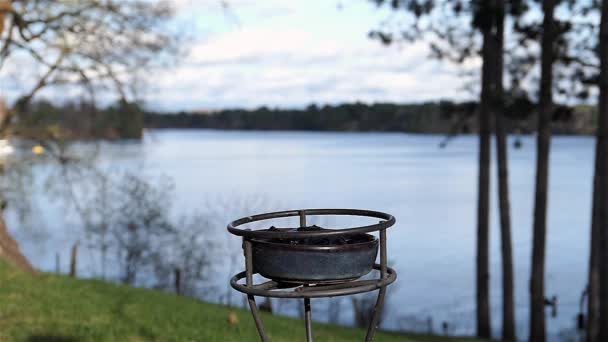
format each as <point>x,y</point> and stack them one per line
<point>57,308</point>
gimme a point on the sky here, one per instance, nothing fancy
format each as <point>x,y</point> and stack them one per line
<point>289,54</point>
<point>280,54</point>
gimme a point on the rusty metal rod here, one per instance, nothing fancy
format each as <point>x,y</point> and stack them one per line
<point>248,261</point>
<point>389,221</point>
<point>308,319</point>
<point>383,255</point>
<point>307,311</point>
<point>339,286</point>
<point>250,298</point>
<point>373,325</point>
<point>269,285</point>
<point>357,287</point>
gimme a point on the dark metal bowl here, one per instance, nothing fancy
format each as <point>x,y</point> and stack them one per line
<point>301,261</point>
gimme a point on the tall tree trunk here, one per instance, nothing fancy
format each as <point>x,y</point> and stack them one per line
<point>483,197</point>
<point>594,281</point>
<point>537,281</point>
<point>593,294</point>
<point>602,132</point>
<point>508,295</point>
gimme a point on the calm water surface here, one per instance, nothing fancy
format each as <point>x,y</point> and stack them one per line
<point>431,191</point>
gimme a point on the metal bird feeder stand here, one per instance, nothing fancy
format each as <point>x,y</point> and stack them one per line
<point>313,262</point>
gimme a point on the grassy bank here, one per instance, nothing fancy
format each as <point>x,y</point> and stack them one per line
<point>57,308</point>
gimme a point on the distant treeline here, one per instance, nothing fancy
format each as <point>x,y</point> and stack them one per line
<point>431,117</point>
<point>80,120</point>
<point>443,117</point>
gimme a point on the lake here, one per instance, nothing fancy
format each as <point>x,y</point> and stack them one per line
<point>431,191</point>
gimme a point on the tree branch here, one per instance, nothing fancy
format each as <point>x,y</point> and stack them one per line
<point>23,101</point>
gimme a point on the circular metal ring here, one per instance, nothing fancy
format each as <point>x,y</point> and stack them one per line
<point>389,220</point>
<point>339,289</point>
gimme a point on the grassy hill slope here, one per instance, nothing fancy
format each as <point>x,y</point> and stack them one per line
<point>48,307</point>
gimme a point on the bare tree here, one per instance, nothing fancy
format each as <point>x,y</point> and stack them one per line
<point>508,297</point>
<point>126,215</point>
<point>593,289</point>
<point>188,251</point>
<point>459,31</point>
<point>603,178</point>
<point>537,278</point>
<point>453,29</point>
<point>99,45</point>
<point>143,224</point>
<point>488,84</point>
<point>588,65</point>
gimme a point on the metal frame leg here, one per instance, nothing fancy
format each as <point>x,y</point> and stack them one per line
<point>373,325</point>
<point>256,317</point>
<point>307,310</point>
<point>308,319</point>
<point>250,298</point>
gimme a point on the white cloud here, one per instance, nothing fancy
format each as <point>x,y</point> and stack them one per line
<point>299,58</point>
<point>284,54</point>
<point>260,43</point>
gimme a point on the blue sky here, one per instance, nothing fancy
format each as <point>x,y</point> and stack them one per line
<point>276,53</point>
<point>293,53</point>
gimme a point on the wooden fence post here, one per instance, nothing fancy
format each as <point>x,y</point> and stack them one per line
<point>57,263</point>
<point>73,258</point>
<point>178,281</point>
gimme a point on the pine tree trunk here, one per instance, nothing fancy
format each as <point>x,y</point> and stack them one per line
<point>593,286</point>
<point>483,205</point>
<point>602,132</point>
<point>508,295</point>
<point>537,279</point>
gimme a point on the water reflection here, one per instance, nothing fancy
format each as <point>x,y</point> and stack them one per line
<point>431,191</point>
